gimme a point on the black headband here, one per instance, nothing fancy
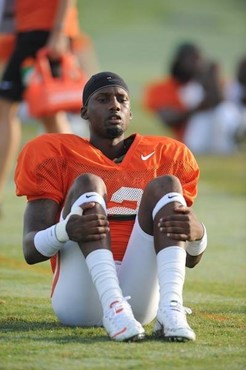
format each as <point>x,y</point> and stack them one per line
<point>100,80</point>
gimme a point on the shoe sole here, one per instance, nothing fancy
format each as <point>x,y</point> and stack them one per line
<point>168,338</point>
<point>177,339</point>
<point>134,338</point>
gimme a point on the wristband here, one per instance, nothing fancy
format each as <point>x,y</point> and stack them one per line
<point>197,247</point>
<point>60,227</point>
<point>46,242</point>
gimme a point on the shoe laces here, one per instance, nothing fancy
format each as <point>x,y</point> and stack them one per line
<point>176,314</point>
<point>117,309</point>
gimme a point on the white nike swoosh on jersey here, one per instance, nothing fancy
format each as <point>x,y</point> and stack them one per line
<point>145,157</point>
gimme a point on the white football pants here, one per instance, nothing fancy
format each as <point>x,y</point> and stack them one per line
<point>75,300</point>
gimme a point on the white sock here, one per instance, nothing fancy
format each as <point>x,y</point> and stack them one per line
<point>171,274</point>
<point>103,272</point>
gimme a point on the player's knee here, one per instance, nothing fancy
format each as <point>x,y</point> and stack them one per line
<point>89,182</point>
<point>162,185</point>
<point>85,183</point>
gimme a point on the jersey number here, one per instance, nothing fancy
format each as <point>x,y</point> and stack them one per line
<point>126,197</point>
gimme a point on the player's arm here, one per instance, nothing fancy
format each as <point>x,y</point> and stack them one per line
<point>184,225</point>
<point>58,42</point>
<point>43,237</point>
<point>39,215</point>
<point>174,117</point>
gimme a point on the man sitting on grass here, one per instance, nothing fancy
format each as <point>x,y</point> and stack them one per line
<point>113,215</point>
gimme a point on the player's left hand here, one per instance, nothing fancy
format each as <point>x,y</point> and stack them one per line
<point>181,225</point>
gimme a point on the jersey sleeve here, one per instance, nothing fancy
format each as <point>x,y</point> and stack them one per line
<point>38,173</point>
<point>162,95</point>
<point>182,164</point>
<point>188,172</point>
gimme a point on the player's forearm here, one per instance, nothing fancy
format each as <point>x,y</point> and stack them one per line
<point>62,9</point>
<point>174,117</point>
<point>31,254</point>
<point>196,248</point>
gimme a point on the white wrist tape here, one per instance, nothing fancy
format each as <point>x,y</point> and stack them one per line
<point>60,227</point>
<point>46,243</point>
<point>168,198</point>
<point>198,246</point>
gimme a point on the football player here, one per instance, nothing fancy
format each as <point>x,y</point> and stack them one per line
<point>113,213</point>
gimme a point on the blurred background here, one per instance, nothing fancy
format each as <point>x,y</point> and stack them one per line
<point>137,39</point>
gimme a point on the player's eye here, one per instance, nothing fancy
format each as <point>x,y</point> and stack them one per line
<point>101,99</point>
<point>122,99</point>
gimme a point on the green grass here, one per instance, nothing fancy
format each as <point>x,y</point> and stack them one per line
<point>136,39</point>
<point>31,337</point>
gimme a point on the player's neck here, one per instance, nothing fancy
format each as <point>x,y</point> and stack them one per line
<point>110,148</point>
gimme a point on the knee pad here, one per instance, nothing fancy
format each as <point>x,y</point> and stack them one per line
<point>168,198</point>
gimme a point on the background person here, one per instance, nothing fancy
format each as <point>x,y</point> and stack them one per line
<point>191,102</point>
<point>236,92</point>
<point>101,254</point>
<point>47,23</point>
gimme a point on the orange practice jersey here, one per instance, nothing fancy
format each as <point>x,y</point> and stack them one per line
<point>164,94</point>
<point>48,165</point>
<point>34,15</point>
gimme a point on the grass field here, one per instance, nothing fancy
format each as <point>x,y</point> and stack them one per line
<point>135,39</point>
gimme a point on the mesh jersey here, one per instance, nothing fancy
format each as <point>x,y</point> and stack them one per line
<point>48,165</point>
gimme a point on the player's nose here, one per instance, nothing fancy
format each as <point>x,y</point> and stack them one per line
<point>114,103</point>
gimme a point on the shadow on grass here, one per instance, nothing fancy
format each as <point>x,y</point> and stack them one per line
<point>45,330</point>
<point>54,332</point>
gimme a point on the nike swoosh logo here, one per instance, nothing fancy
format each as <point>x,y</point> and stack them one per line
<point>171,196</point>
<point>145,157</point>
<point>89,196</point>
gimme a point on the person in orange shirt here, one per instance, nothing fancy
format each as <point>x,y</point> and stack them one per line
<point>191,102</point>
<point>114,215</point>
<point>40,24</point>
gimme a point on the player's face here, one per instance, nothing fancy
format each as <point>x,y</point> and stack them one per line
<point>108,112</point>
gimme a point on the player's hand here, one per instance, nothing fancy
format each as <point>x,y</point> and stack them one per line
<point>57,45</point>
<point>181,225</point>
<point>88,227</point>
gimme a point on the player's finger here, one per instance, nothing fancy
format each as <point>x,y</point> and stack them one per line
<point>95,237</point>
<point>181,237</point>
<point>98,230</point>
<point>173,230</point>
<point>89,205</point>
<point>173,218</point>
<point>95,217</point>
<point>181,209</point>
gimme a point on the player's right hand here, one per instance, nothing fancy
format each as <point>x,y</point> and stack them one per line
<point>88,227</point>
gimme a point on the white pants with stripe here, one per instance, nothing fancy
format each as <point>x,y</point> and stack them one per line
<point>75,300</point>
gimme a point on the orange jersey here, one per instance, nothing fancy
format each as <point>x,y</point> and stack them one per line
<point>34,15</point>
<point>164,94</point>
<point>48,165</point>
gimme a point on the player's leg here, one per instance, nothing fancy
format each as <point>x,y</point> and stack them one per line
<point>158,200</point>
<point>10,94</point>
<point>9,140</point>
<point>138,275</point>
<point>161,195</point>
<point>117,319</point>
<point>11,90</point>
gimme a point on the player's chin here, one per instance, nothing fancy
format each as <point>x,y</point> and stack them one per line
<point>113,132</point>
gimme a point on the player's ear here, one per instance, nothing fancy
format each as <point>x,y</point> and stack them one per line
<point>83,112</point>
